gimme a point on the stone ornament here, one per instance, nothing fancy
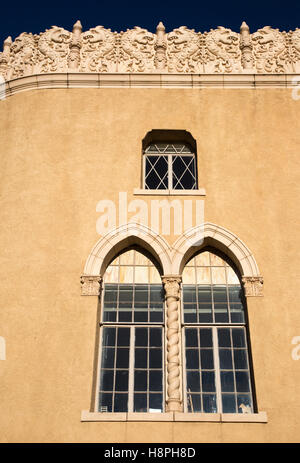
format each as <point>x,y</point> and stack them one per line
<point>99,50</point>
<point>90,285</point>
<point>253,286</point>
<point>172,295</point>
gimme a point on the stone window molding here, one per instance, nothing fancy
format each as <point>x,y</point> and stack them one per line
<point>171,258</point>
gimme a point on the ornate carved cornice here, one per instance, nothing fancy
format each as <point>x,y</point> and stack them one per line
<point>99,50</point>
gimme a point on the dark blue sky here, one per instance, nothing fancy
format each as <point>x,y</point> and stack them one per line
<point>36,16</point>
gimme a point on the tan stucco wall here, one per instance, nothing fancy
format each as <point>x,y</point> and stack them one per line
<point>64,150</point>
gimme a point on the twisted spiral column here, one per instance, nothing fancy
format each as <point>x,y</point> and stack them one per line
<point>172,291</point>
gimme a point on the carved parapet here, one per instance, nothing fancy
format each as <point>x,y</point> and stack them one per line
<point>90,285</point>
<point>75,46</point>
<point>246,47</point>
<point>253,286</point>
<point>172,294</point>
<point>160,59</point>
<point>183,50</point>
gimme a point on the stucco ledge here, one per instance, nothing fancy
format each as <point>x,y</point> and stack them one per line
<point>260,417</point>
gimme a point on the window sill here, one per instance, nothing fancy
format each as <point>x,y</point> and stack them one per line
<point>260,417</point>
<point>139,191</point>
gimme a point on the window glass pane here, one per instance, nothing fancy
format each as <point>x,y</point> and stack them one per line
<point>190,313</point>
<point>227,381</point>
<point>189,294</point>
<point>140,358</point>
<point>224,337</point>
<point>218,275</point>
<point>107,380</point>
<point>141,336</point>
<point>235,293</point>
<point>109,336</point>
<point>126,275</point>
<point>108,357</point>
<point>238,337</point>
<point>205,313</point>
<point>140,380</point>
<point>140,403</point>
<point>220,294</point>
<point>122,358</point>
<point>244,402</point>
<point>242,381</point>
<point>189,275</point>
<point>121,383</point>
<point>203,275</point>
<point>225,357</point>
<point>209,403</point>
<point>207,359</point>
<point>228,403</point>
<point>155,358</point>
<point>193,381</point>
<point>155,337</point>
<point>206,337</point>
<point>192,359</point>
<point>194,403</point>
<point>105,402</point>
<point>208,381</point>
<point>155,380</point>
<point>156,172</point>
<point>191,337</point>
<point>155,403</point>
<point>123,338</point>
<point>141,274</point>
<point>121,402</point>
<point>183,168</point>
<point>240,359</point>
<point>204,294</point>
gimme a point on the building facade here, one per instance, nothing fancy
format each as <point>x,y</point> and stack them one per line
<point>149,209</point>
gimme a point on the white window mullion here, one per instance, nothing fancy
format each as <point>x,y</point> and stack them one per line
<point>170,172</point>
<point>217,368</point>
<point>131,369</point>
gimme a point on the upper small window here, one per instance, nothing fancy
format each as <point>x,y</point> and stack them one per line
<point>169,166</point>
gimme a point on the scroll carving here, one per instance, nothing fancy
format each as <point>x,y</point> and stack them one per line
<point>183,50</point>
<point>137,51</point>
<point>269,50</point>
<point>222,51</point>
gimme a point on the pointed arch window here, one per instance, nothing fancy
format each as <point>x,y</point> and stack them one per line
<point>217,375</point>
<point>131,375</point>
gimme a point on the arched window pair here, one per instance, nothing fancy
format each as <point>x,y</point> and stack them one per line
<point>216,371</point>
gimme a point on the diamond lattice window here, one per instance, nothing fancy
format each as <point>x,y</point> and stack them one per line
<point>169,166</point>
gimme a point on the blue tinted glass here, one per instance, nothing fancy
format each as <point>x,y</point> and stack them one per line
<point>228,403</point>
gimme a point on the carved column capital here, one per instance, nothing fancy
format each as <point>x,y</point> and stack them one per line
<point>253,286</point>
<point>172,286</point>
<point>90,285</point>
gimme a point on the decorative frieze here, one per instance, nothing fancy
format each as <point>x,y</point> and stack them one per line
<point>172,295</point>
<point>253,286</point>
<point>90,285</point>
<point>99,50</point>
